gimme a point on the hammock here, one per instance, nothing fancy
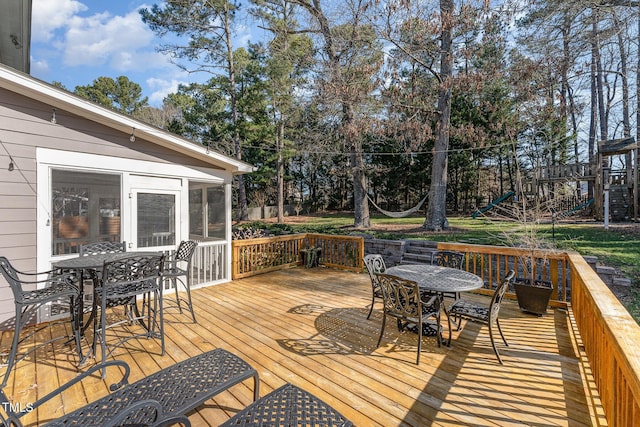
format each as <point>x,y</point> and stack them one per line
<point>401,214</point>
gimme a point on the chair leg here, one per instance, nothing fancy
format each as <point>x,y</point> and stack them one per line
<point>438,330</point>
<point>419,341</point>
<point>174,282</point>
<point>193,314</point>
<point>493,344</point>
<point>449,326</point>
<point>158,303</point>
<point>384,322</point>
<point>14,345</point>
<point>75,310</point>
<point>501,334</point>
<point>103,336</point>
<point>373,300</point>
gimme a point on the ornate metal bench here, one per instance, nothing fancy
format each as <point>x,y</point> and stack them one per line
<point>170,392</point>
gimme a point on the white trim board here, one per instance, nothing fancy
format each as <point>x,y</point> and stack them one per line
<point>97,162</point>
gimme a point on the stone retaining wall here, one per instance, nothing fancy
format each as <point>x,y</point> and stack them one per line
<point>393,251</point>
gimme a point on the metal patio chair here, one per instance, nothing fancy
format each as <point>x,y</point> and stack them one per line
<point>122,281</point>
<point>177,270</point>
<point>449,259</point>
<point>102,248</point>
<point>483,313</point>
<point>403,301</point>
<point>375,264</point>
<point>28,298</point>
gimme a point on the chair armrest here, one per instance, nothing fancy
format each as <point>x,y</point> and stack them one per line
<point>150,411</point>
<point>172,420</point>
<point>13,417</point>
<point>50,279</point>
<point>432,301</point>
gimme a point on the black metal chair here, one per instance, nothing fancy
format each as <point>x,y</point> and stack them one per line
<point>98,248</point>
<point>28,298</point>
<point>122,281</point>
<point>375,264</point>
<point>174,272</point>
<point>153,400</point>
<point>449,259</point>
<point>488,315</point>
<point>403,301</point>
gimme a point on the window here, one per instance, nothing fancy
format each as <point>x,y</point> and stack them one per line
<point>207,215</point>
<point>85,208</point>
<point>156,219</point>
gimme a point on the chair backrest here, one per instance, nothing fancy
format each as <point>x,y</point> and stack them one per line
<point>401,297</point>
<point>448,259</point>
<point>498,295</point>
<point>11,276</point>
<point>375,264</point>
<point>130,270</point>
<point>96,248</point>
<point>185,250</point>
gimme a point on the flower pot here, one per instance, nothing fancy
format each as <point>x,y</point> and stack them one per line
<point>311,257</point>
<point>533,297</point>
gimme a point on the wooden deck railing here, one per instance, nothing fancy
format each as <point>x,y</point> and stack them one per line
<point>611,340</point>
<point>610,336</point>
<point>608,333</point>
<point>493,262</point>
<point>257,256</point>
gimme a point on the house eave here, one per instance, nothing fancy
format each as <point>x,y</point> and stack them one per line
<point>63,100</point>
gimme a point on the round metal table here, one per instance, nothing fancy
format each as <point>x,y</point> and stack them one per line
<point>434,278</point>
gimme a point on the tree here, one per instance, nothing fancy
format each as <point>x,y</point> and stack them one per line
<point>208,26</point>
<point>288,60</point>
<point>120,94</point>
<point>351,58</point>
<point>436,218</point>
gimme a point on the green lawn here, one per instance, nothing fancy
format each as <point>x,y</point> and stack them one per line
<point>617,247</point>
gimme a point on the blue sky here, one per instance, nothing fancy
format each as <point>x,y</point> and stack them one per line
<point>74,42</point>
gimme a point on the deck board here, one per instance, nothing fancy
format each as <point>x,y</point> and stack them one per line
<point>309,327</point>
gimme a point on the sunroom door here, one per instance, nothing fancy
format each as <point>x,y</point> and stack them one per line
<point>155,213</point>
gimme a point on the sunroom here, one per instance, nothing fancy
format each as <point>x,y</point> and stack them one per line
<point>79,173</point>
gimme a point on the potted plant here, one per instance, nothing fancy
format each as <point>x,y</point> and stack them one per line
<point>531,285</point>
<point>533,294</point>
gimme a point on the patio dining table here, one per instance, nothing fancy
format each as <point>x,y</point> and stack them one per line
<point>89,266</point>
<point>437,279</point>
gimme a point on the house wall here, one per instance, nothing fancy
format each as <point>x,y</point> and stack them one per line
<point>25,125</point>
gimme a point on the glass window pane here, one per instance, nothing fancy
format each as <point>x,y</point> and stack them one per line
<point>156,219</point>
<point>216,212</point>
<point>85,207</point>
<point>196,213</point>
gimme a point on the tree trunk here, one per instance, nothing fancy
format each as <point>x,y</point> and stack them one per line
<point>280,171</point>
<point>593,122</point>
<point>436,218</point>
<point>636,180</point>
<point>361,218</point>
<point>243,212</point>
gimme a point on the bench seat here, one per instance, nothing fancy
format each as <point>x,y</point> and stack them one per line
<point>178,389</point>
<point>288,405</point>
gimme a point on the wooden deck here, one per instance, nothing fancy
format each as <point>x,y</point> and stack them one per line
<point>309,327</point>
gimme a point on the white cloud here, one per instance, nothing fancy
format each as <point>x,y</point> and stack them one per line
<point>39,67</point>
<point>50,15</point>
<point>104,38</point>
<point>161,88</point>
